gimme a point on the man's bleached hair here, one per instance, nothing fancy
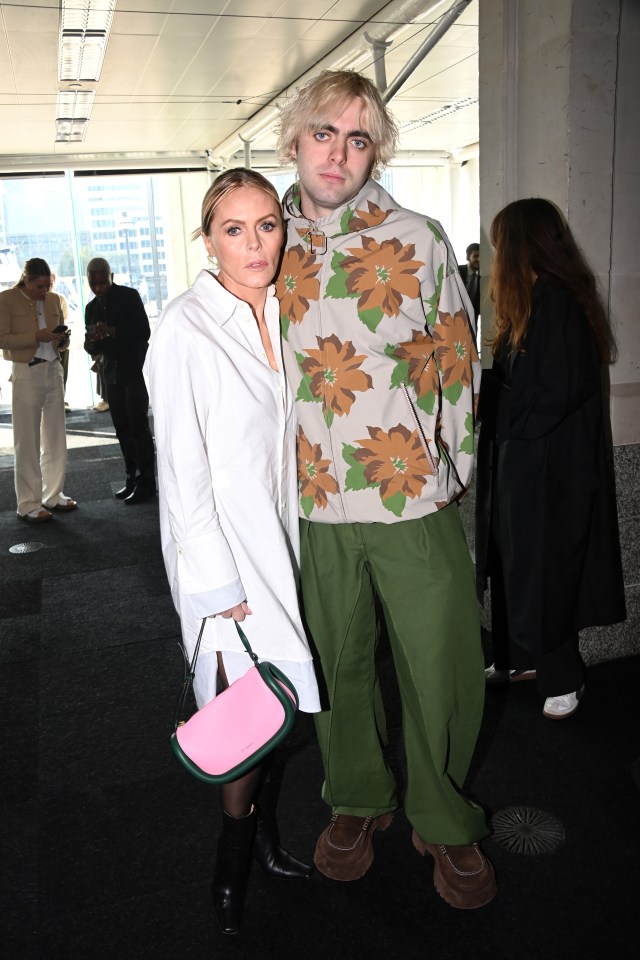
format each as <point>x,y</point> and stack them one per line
<point>323,99</point>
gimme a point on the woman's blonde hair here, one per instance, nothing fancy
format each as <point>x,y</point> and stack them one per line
<point>323,99</point>
<point>226,183</point>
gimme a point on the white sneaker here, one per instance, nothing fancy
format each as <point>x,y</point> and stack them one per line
<point>558,708</point>
<point>102,406</point>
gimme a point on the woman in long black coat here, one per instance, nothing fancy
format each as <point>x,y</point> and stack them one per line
<point>547,533</point>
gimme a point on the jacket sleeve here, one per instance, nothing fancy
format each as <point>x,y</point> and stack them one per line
<point>452,324</point>
<point>207,571</point>
<point>134,331</point>
<point>560,349</point>
<point>9,339</point>
<point>89,319</point>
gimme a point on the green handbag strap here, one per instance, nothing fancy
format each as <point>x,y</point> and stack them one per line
<point>190,669</point>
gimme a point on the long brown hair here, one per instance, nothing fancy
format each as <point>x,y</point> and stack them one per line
<point>532,236</point>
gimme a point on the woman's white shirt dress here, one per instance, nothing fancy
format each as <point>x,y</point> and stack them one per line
<point>225,434</point>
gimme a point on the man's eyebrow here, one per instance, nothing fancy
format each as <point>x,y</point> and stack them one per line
<point>352,133</point>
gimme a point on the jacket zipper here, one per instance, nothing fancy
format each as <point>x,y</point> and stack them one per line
<point>434,467</point>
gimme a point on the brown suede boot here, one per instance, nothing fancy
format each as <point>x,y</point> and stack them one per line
<point>462,875</point>
<point>345,849</point>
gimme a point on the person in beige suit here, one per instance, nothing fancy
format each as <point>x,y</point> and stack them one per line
<point>29,317</point>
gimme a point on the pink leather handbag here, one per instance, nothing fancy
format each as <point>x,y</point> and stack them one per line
<point>240,726</point>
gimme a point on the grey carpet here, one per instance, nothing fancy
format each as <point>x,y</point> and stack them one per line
<point>107,844</point>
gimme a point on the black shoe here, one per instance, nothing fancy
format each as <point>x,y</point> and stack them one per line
<point>126,491</point>
<point>275,861</point>
<point>232,869</point>
<point>140,495</point>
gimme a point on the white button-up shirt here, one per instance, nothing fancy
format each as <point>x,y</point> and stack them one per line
<point>225,434</point>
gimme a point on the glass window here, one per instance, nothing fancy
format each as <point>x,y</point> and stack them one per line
<point>67,219</point>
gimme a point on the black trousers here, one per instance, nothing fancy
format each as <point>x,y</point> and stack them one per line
<point>129,408</point>
<point>558,671</point>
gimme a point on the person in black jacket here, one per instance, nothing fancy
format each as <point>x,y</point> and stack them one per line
<point>117,328</point>
<point>470,273</point>
<point>547,533</point>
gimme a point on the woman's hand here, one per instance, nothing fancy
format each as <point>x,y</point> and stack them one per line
<point>238,613</point>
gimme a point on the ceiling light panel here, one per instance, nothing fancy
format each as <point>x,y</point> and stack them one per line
<point>70,131</point>
<point>75,104</point>
<point>83,38</point>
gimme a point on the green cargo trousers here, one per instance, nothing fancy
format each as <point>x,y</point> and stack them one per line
<point>422,574</point>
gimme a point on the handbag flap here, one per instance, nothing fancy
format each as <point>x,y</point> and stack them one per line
<point>233,725</point>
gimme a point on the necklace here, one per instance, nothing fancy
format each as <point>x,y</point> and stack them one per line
<point>33,304</point>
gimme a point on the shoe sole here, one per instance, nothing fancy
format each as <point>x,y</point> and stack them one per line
<point>359,867</point>
<point>480,897</point>
<point>22,516</point>
<point>516,678</point>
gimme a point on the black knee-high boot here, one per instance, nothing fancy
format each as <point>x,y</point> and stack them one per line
<point>275,861</point>
<point>232,869</point>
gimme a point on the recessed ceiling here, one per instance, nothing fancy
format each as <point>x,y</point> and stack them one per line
<point>181,78</point>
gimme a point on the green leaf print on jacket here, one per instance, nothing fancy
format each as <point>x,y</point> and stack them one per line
<point>416,366</point>
<point>435,231</point>
<point>336,288</point>
<point>434,300</point>
<point>380,275</point>
<point>466,445</point>
<point>331,374</point>
<point>393,462</point>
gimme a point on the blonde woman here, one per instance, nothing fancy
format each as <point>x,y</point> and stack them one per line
<point>225,435</point>
<point>32,336</point>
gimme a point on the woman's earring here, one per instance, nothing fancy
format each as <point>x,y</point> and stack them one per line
<point>211,258</point>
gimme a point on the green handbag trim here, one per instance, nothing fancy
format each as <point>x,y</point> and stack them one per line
<point>274,679</point>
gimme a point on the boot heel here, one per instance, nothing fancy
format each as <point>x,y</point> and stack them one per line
<point>275,861</point>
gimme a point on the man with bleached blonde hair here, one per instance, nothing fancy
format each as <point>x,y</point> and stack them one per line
<point>379,347</point>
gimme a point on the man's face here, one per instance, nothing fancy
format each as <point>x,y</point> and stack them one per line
<point>474,259</point>
<point>99,282</point>
<point>334,162</point>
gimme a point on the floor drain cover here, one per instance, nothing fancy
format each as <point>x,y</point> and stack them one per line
<point>26,547</point>
<point>527,830</point>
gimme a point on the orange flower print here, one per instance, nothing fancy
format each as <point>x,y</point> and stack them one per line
<point>362,219</point>
<point>396,460</point>
<point>419,356</point>
<point>313,474</point>
<point>334,374</point>
<point>455,349</point>
<point>382,274</point>
<point>297,283</point>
